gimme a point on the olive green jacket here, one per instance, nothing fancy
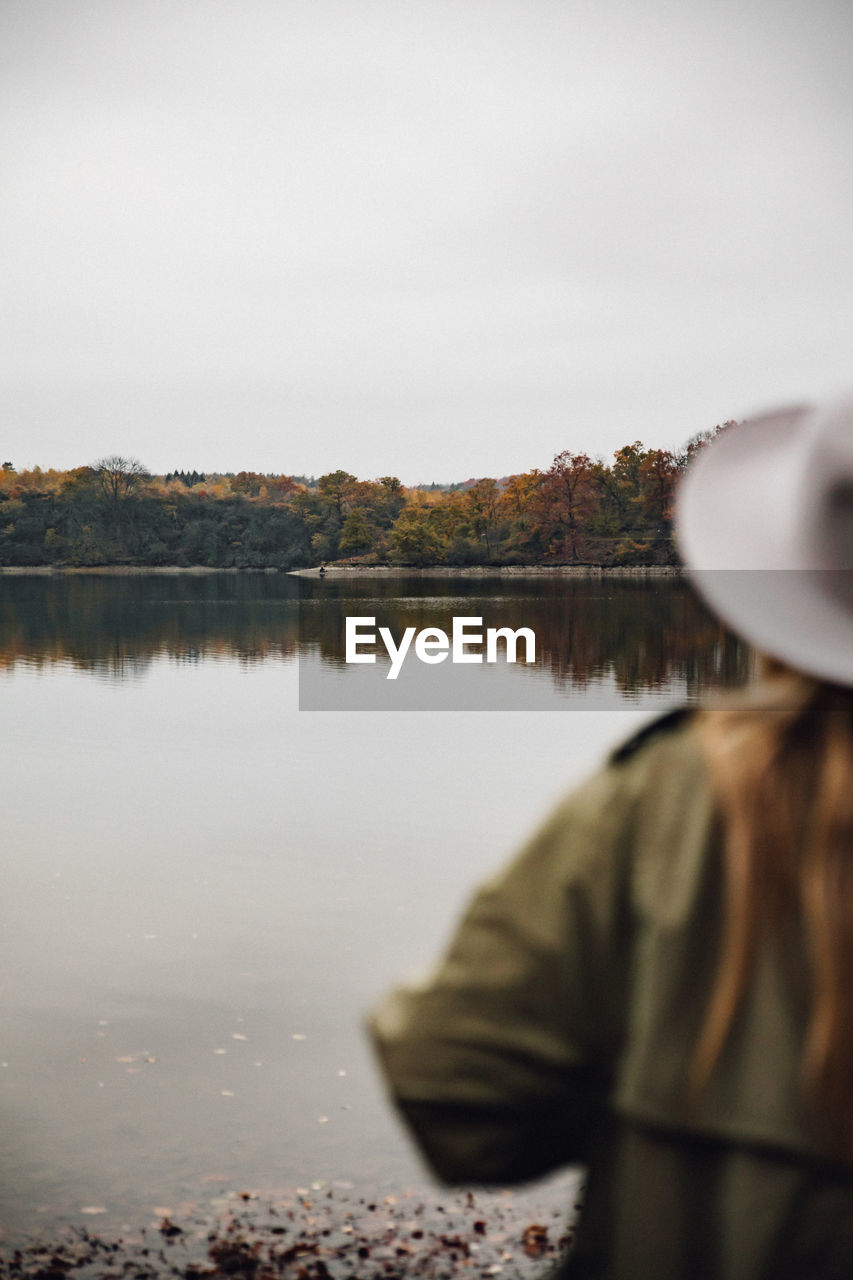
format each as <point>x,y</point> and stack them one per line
<point>560,1025</point>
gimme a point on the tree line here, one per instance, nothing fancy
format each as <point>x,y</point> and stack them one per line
<point>581,510</point>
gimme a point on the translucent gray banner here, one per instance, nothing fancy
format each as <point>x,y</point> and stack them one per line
<point>597,644</point>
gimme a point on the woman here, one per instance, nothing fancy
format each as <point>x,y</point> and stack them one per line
<point>661,986</point>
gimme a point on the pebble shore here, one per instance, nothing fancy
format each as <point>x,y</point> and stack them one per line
<point>316,1235</point>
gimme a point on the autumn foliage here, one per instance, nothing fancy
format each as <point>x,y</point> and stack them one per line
<point>580,511</point>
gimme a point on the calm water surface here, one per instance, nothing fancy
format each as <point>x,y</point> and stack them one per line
<point>205,888</point>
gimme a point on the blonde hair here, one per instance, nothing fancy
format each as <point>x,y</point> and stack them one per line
<point>781,763</point>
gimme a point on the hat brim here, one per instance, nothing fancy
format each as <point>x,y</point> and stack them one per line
<point>736,536</point>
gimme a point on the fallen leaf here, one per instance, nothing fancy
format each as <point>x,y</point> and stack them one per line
<point>535,1239</point>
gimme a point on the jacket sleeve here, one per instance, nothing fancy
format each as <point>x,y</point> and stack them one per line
<point>498,1062</point>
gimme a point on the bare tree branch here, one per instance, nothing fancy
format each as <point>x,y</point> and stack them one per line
<point>120,476</point>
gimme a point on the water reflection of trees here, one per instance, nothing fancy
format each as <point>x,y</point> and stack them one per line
<point>119,626</point>
<point>644,635</point>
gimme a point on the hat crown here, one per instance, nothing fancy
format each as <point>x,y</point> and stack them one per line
<point>764,518</point>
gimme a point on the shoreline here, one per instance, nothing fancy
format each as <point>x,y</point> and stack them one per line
<point>321,1232</point>
<point>116,570</point>
<point>356,570</point>
<point>494,571</point>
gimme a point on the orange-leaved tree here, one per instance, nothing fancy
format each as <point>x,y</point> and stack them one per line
<point>567,499</point>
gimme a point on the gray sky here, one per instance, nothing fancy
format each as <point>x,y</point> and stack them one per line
<point>423,238</point>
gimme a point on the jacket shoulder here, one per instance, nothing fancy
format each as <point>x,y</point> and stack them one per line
<point>660,727</point>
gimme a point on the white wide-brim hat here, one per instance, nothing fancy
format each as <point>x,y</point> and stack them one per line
<point>764,522</point>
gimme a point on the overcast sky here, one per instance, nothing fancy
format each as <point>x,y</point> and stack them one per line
<point>423,238</point>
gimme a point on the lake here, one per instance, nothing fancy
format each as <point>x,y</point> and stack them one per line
<point>205,887</point>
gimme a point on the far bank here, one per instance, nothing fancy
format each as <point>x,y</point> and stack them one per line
<point>359,571</point>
